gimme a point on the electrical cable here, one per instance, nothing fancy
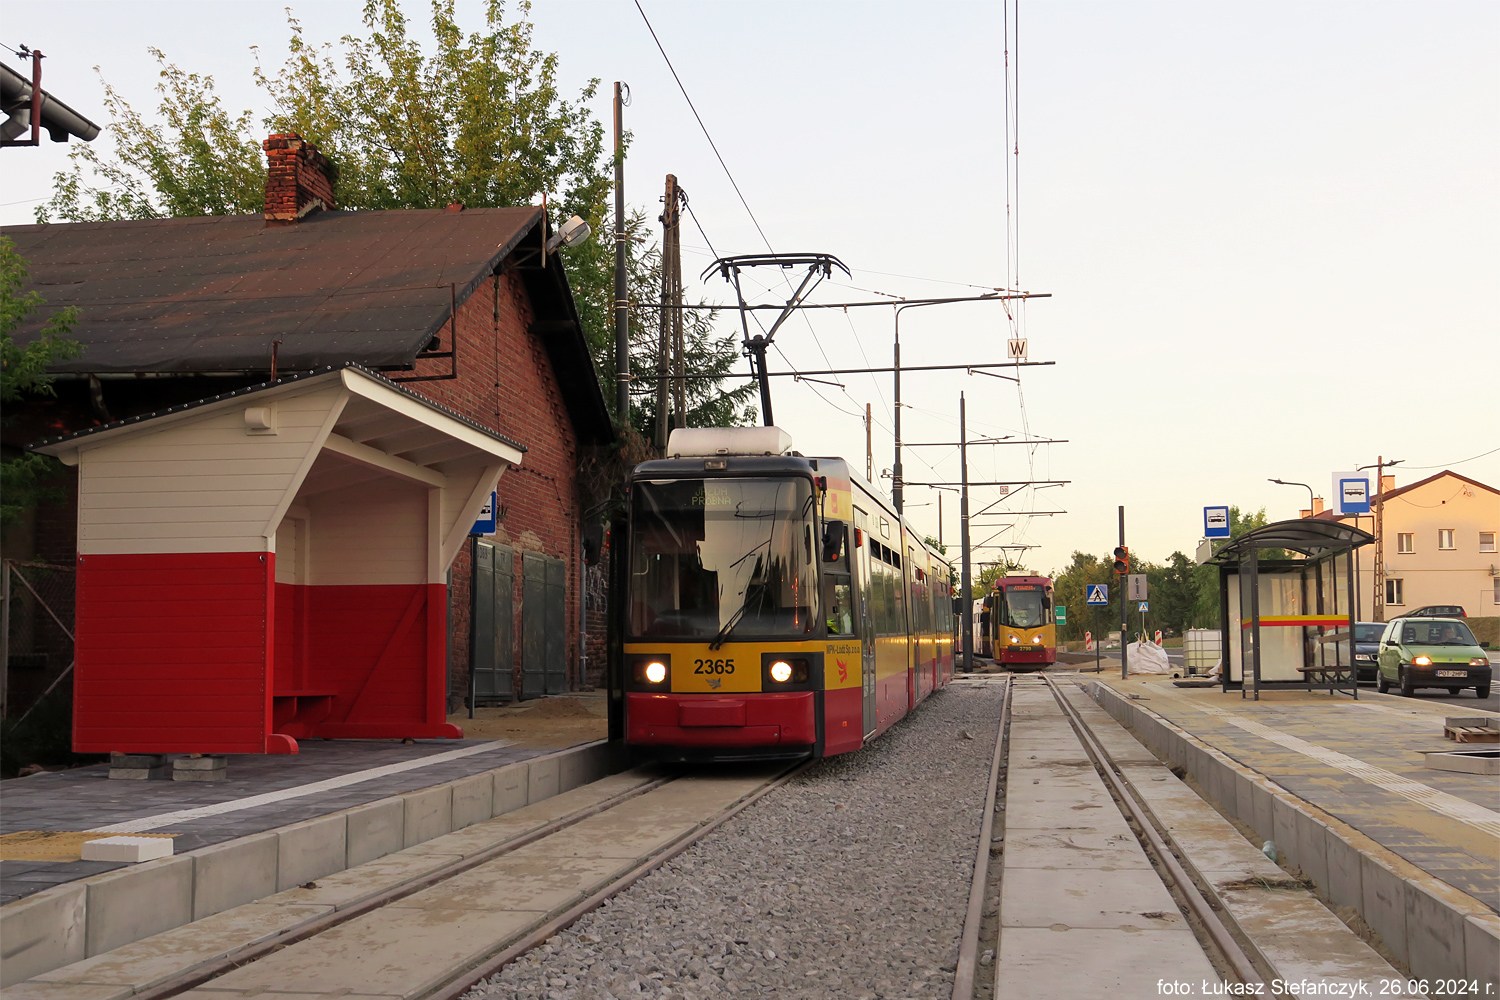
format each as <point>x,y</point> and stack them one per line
<point>1461,461</point>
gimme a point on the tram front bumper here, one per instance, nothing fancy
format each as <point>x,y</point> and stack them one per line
<point>709,720</point>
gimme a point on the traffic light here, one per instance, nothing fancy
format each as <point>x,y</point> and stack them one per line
<point>1122,560</point>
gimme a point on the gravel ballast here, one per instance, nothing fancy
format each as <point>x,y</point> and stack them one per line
<point>850,881</point>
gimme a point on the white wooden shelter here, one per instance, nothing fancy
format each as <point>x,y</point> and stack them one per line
<point>270,565</point>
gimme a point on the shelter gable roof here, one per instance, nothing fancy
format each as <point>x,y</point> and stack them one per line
<point>67,442</point>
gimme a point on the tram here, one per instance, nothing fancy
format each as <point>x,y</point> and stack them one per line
<point>774,606</point>
<point>1022,634</point>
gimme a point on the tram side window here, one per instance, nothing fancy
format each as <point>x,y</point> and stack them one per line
<point>899,593</point>
<point>887,601</point>
<point>840,603</point>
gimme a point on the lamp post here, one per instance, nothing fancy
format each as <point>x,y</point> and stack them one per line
<point>1310,504</point>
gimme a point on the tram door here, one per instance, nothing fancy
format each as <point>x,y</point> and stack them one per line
<point>866,624</point>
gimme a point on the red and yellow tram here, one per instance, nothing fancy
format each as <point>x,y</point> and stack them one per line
<point>774,606</point>
<point>1022,634</point>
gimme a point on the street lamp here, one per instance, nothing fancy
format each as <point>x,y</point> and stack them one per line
<point>1310,504</point>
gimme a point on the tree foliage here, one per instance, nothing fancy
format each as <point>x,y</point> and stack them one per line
<point>480,121</point>
<point>23,372</point>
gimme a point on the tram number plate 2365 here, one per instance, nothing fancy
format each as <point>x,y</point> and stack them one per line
<point>713,666</point>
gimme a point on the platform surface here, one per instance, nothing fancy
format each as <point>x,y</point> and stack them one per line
<point>87,799</point>
<point>1360,761</point>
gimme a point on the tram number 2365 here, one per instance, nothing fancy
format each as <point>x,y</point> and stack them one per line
<point>713,666</point>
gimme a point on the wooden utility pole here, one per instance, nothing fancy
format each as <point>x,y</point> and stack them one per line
<point>673,261</point>
<point>622,300</point>
<point>671,411</point>
<point>869,451</point>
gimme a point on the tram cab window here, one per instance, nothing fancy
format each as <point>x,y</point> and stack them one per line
<point>839,602</point>
<point>711,558</point>
<point>1025,607</point>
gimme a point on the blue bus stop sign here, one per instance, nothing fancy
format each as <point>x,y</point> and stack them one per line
<point>1215,522</point>
<point>485,525</point>
<point>1098,593</point>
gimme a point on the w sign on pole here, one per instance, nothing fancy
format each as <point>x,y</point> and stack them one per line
<point>1018,348</point>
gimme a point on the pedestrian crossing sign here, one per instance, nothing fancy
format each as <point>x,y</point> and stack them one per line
<point>1098,593</point>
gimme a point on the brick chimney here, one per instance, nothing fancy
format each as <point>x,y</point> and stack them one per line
<point>299,179</point>
<point>1387,483</point>
<point>1317,506</point>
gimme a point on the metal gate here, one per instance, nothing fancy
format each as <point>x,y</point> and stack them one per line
<point>544,626</point>
<point>492,631</point>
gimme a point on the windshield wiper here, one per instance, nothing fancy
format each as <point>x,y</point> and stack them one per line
<point>722,635</point>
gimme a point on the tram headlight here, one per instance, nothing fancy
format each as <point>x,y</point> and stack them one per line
<point>779,671</point>
<point>656,672</point>
<point>1015,638</point>
<point>1036,639</point>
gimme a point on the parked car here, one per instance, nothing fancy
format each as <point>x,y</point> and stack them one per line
<point>1366,647</point>
<point>1432,653</point>
<point>1438,611</point>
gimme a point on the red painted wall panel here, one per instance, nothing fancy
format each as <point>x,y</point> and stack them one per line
<point>172,653</point>
<point>379,649</point>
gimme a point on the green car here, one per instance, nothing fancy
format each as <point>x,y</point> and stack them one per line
<point>1432,653</point>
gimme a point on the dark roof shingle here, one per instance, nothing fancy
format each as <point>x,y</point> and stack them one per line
<point>211,294</point>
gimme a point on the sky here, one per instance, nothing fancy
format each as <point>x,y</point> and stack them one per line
<point>1269,231</point>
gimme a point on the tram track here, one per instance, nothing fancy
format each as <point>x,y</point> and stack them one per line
<point>1222,945</point>
<point>466,980</point>
<point>1196,898</point>
<point>974,918</point>
<point>448,983</point>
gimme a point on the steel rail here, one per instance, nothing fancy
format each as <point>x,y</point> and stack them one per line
<point>204,972</point>
<point>968,947</point>
<point>462,983</point>
<point>1202,907</point>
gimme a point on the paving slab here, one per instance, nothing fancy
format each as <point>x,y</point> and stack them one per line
<point>1043,964</point>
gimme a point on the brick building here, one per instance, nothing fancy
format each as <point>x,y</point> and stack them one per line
<point>462,306</point>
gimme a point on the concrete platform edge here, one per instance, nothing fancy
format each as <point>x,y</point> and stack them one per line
<point>1401,902</point>
<point>59,926</point>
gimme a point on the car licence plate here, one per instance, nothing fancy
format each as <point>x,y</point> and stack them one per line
<point>1453,673</point>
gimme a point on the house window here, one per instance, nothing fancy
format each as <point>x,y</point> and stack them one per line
<point>1445,538</point>
<point>1393,594</point>
<point>1486,541</point>
<point>1497,591</point>
<point>1405,544</point>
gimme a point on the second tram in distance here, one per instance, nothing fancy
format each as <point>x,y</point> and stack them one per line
<point>774,605</point>
<point>1022,634</point>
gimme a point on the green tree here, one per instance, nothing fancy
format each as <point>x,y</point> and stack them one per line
<point>23,372</point>
<point>1174,592</point>
<point>1205,612</point>
<point>480,121</point>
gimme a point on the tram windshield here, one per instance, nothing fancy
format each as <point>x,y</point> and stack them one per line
<point>1026,606</point>
<point>711,557</point>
